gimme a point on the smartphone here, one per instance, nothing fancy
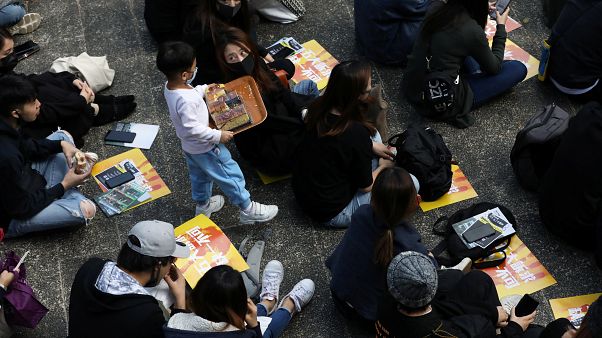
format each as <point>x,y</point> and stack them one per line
<point>119,180</point>
<point>501,6</point>
<point>526,306</point>
<point>120,136</point>
<point>477,231</point>
<point>283,53</point>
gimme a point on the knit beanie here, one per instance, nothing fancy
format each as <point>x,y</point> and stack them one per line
<point>412,279</point>
<point>556,328</point>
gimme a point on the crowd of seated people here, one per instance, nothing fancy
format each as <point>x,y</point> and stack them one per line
<point>343,174</point>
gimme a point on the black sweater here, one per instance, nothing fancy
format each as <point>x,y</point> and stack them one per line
<point>93,313</point>
<point>24,192</point>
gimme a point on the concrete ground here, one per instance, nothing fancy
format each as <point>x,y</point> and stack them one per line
<point>116,28</point>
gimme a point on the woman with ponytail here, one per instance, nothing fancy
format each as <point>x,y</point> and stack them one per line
<point>378,231</point>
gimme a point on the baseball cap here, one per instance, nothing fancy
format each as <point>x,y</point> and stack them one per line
<point>412,279</point>
<point>157,239</point>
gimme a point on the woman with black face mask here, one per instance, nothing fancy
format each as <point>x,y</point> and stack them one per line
<point>203,24</point>
<point>269,147</point>
<point>67,102</point>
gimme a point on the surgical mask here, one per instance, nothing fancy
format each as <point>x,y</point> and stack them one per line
<point>227,12</point>
<point>189,81</point>
<point>8,63</point>
<point>245,67</point>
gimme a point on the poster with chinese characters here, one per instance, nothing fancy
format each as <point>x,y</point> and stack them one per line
<point>460,190</point>
<point>514,52</point>
<point>521,272</point>
<point>209,247</point>
<point>490,28</point>
<point>313,62</point>
<point>573,308</point>
<point>146,186</point>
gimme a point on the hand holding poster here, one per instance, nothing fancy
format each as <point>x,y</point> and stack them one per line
<point>209,247</point>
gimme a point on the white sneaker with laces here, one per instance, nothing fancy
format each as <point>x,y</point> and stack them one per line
<point>464,265</point>
<point>215,204</point>
<point>258,212</point>
<point>273,273</point>
<point>301,294</point>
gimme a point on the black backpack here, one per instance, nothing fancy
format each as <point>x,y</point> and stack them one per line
<point>455,247</point>
<point>422,152</point>
<point>535,145</point>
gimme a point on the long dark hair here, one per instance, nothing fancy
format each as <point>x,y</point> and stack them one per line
<point>393,195</point>
<point>220,296</point>
<point>205,17</point>
<point>348,81</point>
<point>4,35</point>
<point>235,36</point>
<point>448,15</point>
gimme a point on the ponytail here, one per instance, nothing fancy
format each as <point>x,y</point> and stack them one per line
<point>383,253</point>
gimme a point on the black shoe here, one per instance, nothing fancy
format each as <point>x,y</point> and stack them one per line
<point>104,99</point>
<point>108,113</point>
<point>124,99</point>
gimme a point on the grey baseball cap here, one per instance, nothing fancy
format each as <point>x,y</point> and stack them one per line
<point>157,239</point>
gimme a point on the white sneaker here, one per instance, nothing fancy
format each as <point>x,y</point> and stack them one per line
<point>215,204</point>
<point>29,23</point>
<point>301,294</point>
<point>509,302</point>
<point>258,212</point>
<point>464,265</point>
<point>273,273</point>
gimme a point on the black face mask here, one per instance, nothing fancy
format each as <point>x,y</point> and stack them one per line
<point>226,11</point>
<point>8,63</point>
<point>245,67</point>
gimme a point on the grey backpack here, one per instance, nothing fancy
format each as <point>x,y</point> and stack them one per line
<point>536,144</point>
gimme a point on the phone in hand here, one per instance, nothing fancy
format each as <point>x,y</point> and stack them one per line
<point>119,180</point>
<point>120,136</point>
<point>477,231</point>
<point>500,6</point>
<point>173,272</point>
<point>525,306</point>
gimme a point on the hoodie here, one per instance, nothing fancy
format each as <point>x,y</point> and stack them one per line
<point>24,191</point>
<point>94,313</point>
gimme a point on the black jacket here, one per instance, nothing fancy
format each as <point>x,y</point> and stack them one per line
<point>93,313</point>
<point>24,191</point>
<point>576,54</point>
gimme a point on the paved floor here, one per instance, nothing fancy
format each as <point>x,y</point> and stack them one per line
<point>116,28</point>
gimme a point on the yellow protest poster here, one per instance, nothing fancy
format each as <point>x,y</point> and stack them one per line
<point>521,272</point>
<point>313,62</point>
<point>146,186</point>
<point>209,247</point>
<point>573,308</point>
<point>514,52</point>
<point>460,190</point>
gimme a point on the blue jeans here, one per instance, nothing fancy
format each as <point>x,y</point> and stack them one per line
<point>486,86</point>
<point>280,319</point>
<point>217,165</point>
<point>360,198</point>
<point>10,15</point>
<point>306,87</point>
<point>62,213</point>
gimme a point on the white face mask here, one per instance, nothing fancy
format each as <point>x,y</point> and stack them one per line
<point>189,81</point>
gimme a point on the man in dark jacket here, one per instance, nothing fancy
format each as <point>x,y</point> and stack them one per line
<point>109,299</point>
<point>385,30</point>
<point>38,184</point>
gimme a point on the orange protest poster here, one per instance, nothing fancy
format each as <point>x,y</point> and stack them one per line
<point>209,247</point>
<point>490,28</point>
<point>521,273</point>
<point>314,63</point>
<point>146,186</point>
<point>460,190</point>
<point>573,308</point>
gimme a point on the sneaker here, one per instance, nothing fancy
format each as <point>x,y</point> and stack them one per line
<point>510,302</point>
<point>464,265</point>
<point>258,212</point>
<point>215,204</point>
<point>301,294</point>
<point>273,273</point>
<point>29,23</point>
